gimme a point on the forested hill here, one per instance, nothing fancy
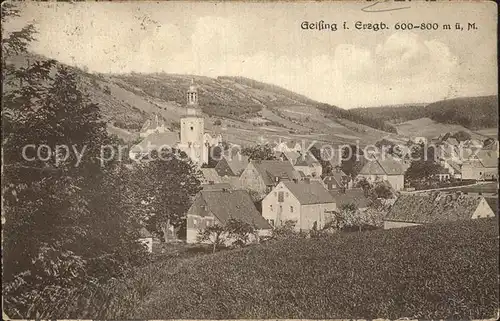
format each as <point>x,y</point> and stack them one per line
<point>470,112</point>
<point>127,100</point>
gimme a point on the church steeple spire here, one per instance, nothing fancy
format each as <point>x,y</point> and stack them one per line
<point>192,94</point>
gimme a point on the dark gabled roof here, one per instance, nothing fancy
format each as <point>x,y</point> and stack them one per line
<point>493,203</point>
<point>269,170</point>
<point>289,155</point>
<point>337,176</point>
<point>433,207</point>
<point>210,175</point>
<point>488,158</point>
<point>383,166</point>
<point>217,187</point>
<point>309,192</point>
<point>306,159</point>
<point>237,163</point>
<point>456,166</point>
<point>355,196</point>
<point>236,204</point>
<point>155,141</point>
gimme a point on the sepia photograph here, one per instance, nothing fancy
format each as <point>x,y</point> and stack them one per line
<point>250,160</point>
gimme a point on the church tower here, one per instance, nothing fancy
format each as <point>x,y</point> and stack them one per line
<point>193,128</point>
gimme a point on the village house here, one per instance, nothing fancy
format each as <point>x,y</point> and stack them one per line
<point>155,141</point>
<point>482,165</point>
<point>218,207</point>
<point>288,146</point>
<point>354,196</point>
<point>337,179</point>
<point>307,165</point>
<point>231,165</point>
<point>262,176</point>
<point>443,174</point>
<point>424,208</point>
<point>450,157</point>
<point>308,203</point>
<point>290,156</point>
<point>386,169</point>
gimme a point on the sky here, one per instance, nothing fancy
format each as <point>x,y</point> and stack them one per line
<point>265,41</point>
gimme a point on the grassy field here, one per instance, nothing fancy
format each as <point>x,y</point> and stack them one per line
<point>447,271</point>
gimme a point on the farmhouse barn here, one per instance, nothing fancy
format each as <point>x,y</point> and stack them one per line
<point>482,165</point>
<point>418,209</point>
<point>308,203</point>
<point>386,169</point>
<point>262,176</point>
<point>217,207</point>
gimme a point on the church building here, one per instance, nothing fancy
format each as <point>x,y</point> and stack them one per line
<point>191,139</point>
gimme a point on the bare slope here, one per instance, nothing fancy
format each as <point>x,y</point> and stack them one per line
<point>250,111</point>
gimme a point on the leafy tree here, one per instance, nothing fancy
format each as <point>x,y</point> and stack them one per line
<point>422,170</point>
<point>353,160</point>
<point>67,224</point>
<point>239,231</point>
<point>166,183</point>
<point>214,234</point>
<point>326,166</point>
<point>259,152</point>
<point>286,230</point>
<point>381,190</point>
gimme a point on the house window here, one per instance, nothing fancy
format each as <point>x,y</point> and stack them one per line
<point>208,223</point>
<point>192,128</point>
<point>291,209</point>
<point>281,197</point>
<point>286,194</point>
<point>271,208</point>
<point>271,222</point>
<point>275,194</point>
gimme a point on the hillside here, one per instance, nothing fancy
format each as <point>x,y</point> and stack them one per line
<point>473,113</point>
<point>426,127</point>
<point>442,271</point>
<point>250,111</point>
